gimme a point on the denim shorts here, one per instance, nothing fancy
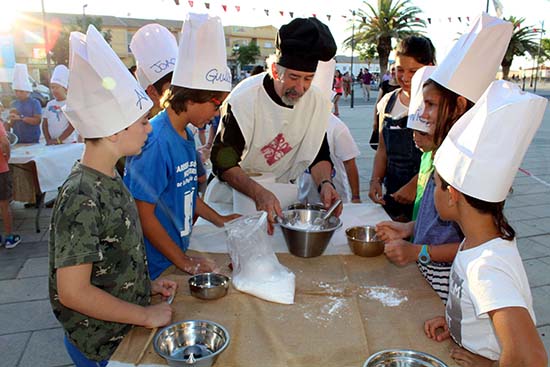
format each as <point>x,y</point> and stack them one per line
<point>79,359</point>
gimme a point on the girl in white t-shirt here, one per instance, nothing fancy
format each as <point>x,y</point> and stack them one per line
<point>55,126</point>
<point>489,312</point>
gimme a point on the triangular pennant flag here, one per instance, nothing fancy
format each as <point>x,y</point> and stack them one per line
<point>417,19</point>
<point>314,15</point>
<point>282,13</point>
<point>224,7</point>
<point>238,7</point>
<point>449,19</point>
<point>291,14</point>
<point>468,19</point>
<point>364,19</point>
<point>328,17</point>
<point>344,16</point>
<point>460,19</point>
<point>190,3</point>
<point>207,5</point>
<point>430,20</point>
<point>266,12</point>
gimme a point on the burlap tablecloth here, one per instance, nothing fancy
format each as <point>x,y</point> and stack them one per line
<point>346,308</point>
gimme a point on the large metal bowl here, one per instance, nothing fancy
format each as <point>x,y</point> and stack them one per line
<point>403,358</point>
<point>301,239</point>
<point>362,241</point>
<point>191,343</point>
<point>317,206</point>
<point>208,285</point>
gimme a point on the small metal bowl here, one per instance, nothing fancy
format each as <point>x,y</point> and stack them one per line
<point>310,206</point>
<point>195,343</point>
<point>362,241</point>
<point>209,285</point>
<point>403,358</point>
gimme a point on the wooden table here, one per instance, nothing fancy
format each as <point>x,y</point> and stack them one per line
<point>346,309</point>
<point>37,169</point>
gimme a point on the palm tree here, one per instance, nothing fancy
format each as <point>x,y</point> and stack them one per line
<point>523,41</point>
<point>392,19</point>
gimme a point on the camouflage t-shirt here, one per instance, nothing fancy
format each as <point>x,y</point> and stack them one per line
<point>95,220</point>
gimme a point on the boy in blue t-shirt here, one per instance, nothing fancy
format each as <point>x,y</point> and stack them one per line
<point>25,117</point>
<point>163,180</point>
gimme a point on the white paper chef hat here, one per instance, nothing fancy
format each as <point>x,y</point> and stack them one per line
<point>60,76</point>
<point>482,152</point>
<point>473,62</point>
<point>416,105</point>
<point>324,77</point>
<point>202,59</point>
<point>155,49</point>
<point>21,78</point>
<point>103,97</point>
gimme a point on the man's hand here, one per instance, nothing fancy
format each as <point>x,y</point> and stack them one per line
<point>401,252</point>
<point>375,192</point>
<point>437,329</point>
<point>164,287</point>
<point>329,196</point>
<point>465,358</point>
<point>390,230</point>
<point>226,218</point>
<point>406,194</point>
<point>268,202</point>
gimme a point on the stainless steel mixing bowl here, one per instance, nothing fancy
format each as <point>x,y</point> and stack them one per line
<point>303,236</point>
<point>191,343</point>
<point>362,241</point>
<point>403,358</point>
<point>208,285</point>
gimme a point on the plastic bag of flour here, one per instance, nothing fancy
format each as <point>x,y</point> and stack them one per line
<point>256,269</point>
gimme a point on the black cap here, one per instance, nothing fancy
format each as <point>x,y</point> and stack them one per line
<point>302,43</point>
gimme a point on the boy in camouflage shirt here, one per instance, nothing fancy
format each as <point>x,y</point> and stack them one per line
<point>99,285</point>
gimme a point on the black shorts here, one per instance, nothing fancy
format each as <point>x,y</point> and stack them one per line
<point>6,186</point>
<point>338,94</point>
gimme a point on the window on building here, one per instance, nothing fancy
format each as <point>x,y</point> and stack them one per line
<point>268,44</point>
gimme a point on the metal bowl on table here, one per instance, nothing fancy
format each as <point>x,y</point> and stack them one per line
<point>191,343</point>
<point>403,358</point>
<point>316,206</point>
<point>208,285</point>
<point>363,241</point>
<point>304,235</point>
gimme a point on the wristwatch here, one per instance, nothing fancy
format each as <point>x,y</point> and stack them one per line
<point>424,255</point>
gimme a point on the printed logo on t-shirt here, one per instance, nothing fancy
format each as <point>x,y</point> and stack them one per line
<point>276,149</point>
<point>454,312</point>
<point>55,109</point>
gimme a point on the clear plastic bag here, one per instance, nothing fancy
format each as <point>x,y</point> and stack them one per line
<point>256,269</point>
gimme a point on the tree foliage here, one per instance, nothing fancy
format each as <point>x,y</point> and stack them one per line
<point>60,51</point>
<point>247,54</point>
<point>523,41</point>
<point>392,19</point>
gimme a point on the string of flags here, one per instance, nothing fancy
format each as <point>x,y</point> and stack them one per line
<point>328,17</point>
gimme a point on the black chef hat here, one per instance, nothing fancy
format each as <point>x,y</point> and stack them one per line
<point>303,42</point>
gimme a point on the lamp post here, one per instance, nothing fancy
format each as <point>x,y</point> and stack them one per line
<point>538,57</point>
<point>352,49</point>
<point>46,43</point>
<point>84,11</point>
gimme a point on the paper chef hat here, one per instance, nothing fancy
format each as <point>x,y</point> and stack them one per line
<point>155,49</point>
<point>416,105</point>
<point>484,148</point>
<point>473,62</point>
<point>60,76</point>
<point>202,60</point>
<point>103,97</point>
<point>21,78</point>
<point>324,76</point>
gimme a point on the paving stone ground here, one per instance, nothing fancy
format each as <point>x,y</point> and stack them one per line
<point>30,335</point>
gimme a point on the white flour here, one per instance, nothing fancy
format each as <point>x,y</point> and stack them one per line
<point>390,297</point>
<point>327,311</point>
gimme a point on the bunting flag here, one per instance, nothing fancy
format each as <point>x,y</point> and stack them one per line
<point>190,3</point>
<point>314,15</point>
<point>291,14</point>
<point>430,20</point>
<point>266,12</point>
<point>238,8</point>
<point>364,19</point>
<point>207,5</point>
<point>460,19</point>
<point>282,13</point>
<point>328,17</point>
<point>224,8</point>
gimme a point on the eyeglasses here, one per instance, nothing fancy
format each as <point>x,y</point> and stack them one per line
<point>216,102</point>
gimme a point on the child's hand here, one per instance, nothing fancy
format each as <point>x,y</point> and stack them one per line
<point>228,218</point>
<point>158,315</point>
<point>401,252</point>
<point>465,358</point>
<point>164,287</point>
<point>198,265</point>
<point>389,230</point>
<point>431,329</point>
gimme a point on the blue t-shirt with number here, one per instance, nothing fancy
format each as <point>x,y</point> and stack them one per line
<point>165,174</point>
<point>27,133</point>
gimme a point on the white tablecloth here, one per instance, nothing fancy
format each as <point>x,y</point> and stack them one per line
<point>208,238</point>
<point>53,162</point>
